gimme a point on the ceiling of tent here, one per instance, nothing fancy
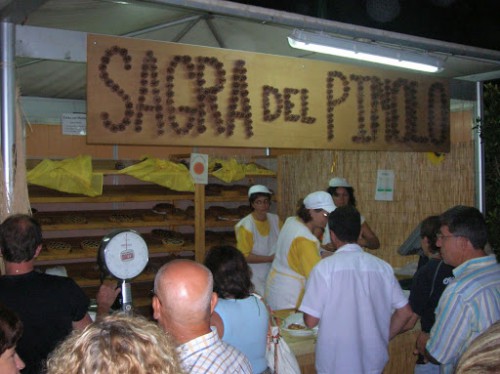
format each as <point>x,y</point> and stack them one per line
<point>211,23</point>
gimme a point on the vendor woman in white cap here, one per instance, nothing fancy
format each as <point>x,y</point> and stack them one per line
<point>256,235</point>
<point>343,194</point>
<point>297,252</point>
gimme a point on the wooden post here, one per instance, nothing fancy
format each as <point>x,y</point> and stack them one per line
<point>199,222</point>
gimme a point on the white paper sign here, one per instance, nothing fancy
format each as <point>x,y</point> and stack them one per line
<point>74,124</point>
<point>385,185</point>
<point>198,167</point>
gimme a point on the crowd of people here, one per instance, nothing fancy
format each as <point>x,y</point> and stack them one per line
<point>215,317</point>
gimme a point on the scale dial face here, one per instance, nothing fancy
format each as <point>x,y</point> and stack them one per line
<point>125,254</point>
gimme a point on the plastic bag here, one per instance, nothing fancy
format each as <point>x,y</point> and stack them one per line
<point>73,175</point>
<point>280,358</point>
<point>165,173</point>
<point>231,170</point>
<point>253,168</point>
<point>227,170</point>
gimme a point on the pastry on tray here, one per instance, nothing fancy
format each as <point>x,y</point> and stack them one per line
<point>121,217</point>
<point>177,213</point>
<point>74,218</point>
<point>152,216</point>
<point>45,220</point>
<point>163,208</point>
<point>90,245</point>
<point>165,234</point>
<point>229,215</point>
<point>172,243</point>
<point>61,247</point>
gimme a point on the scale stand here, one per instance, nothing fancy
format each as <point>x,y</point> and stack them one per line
<point>126,296</point>
<point>123,254</point>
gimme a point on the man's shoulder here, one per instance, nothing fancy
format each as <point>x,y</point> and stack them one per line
<point>376,262</point>
<point>478,270</point>
<point>35,276</point>
<point>475,281</point>
<point>214,354</point>
<point>356,260</point>
<point>55,280</point>
<point>234,360</point>
<point>39,284</point>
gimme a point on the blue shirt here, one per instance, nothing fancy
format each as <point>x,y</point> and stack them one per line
<point>468,306</point>
<point>245,327</point>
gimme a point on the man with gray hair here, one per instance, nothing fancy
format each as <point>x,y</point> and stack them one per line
<point>471,302</point>
<point>183,303</point>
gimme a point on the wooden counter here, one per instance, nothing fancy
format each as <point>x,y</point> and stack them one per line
<point>303,347</point>
<point>401,358</point>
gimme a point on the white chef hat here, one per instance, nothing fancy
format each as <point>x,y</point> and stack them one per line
<point>319,200</point>
<point>338,182</point>
<point>258,188</point>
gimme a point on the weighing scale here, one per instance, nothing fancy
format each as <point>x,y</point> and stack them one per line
<point>123,254</point>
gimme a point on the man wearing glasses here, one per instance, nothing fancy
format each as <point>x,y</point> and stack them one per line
<point>471,302</point>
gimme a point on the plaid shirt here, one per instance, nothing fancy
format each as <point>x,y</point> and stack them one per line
<point>468,306</point>
<point>208,354</point>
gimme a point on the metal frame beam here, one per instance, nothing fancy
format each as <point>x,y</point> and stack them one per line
<point>8,106</point>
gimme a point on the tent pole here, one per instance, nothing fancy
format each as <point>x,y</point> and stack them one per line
<point>479,150</point>
<point>8,97</point>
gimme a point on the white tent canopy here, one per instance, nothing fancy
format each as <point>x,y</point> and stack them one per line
<point>51,61</point>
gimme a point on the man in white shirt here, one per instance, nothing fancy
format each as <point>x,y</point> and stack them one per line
<point>356,300</point>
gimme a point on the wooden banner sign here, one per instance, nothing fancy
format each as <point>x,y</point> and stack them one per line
<point>155,93</point>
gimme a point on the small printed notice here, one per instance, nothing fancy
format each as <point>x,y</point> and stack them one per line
<point>198,166</point>
<point>74,124</point>
<point>385,185</point>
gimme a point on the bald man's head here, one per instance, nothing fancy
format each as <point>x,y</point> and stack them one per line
<point>184,290</point>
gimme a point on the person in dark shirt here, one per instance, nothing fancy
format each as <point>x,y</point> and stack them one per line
<point>49,306</point>
<point>428,284</point>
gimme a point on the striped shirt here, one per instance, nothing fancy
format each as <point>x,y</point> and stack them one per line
<point>208,354</point>
<point>468,306</point>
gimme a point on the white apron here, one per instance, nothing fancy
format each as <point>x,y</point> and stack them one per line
<point>262,246</point>
<point>284,287</point>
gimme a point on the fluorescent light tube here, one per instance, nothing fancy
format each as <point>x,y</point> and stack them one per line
<point>325,44</point>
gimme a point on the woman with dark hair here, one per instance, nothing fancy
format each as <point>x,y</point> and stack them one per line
<point>297,251</point>
<point>240,317</point>
<point>256,235</point>
<point>11,329</point>
<point>343,194</point>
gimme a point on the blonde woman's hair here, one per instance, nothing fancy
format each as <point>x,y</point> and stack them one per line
<point>483,355</point>
<point>116,344</point>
